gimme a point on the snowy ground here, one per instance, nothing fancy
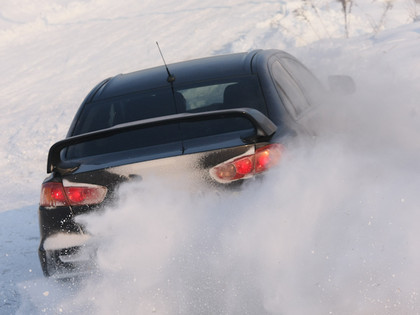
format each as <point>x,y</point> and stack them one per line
<point>333,232</point>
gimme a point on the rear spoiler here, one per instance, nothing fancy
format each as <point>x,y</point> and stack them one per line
<point>264,127</point>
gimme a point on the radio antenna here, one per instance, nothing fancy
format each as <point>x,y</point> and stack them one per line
<point>171,77</point>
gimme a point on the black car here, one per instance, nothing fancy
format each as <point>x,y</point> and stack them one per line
<point>218,120</point>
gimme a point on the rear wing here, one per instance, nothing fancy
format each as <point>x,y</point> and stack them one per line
<point>264,127</point>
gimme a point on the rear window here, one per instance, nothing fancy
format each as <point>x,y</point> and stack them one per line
<point>192,98</point>
<point>231,93</point>
<point>196,97</point>
<point>102,115</point>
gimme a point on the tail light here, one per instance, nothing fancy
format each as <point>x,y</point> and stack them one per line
<point>54,194</point>
<point>248,165</point>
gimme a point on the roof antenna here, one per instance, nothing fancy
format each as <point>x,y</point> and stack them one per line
<point>171,78</point>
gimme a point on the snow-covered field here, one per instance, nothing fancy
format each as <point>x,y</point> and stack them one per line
<point>334,231</point>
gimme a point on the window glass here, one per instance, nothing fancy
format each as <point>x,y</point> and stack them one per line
<point>225,94</point>
<point>101,115</point>
<point>203,96</point>
<point>289,90</point>
<point>306,81</point>
<point>192,98</point>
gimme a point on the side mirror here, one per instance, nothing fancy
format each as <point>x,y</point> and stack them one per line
<point>341,84</point>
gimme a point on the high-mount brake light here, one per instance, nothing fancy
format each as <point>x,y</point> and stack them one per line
<point>54,194</point>
<point>248,165</point>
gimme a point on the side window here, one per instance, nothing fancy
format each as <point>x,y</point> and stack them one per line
<point>299,88</point>
<point>308,83</point>
<point>288,89</point>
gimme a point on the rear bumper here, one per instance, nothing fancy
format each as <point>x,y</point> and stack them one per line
<point>65,255</point>
<point>64,247</point>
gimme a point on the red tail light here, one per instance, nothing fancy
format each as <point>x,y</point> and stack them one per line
<point>248,165</point>
<point>54,194</point>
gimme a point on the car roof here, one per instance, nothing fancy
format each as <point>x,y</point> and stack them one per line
<point>186,71</point>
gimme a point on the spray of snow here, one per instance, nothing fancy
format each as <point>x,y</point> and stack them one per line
<point>332,230</point>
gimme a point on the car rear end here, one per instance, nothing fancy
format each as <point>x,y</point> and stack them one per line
<point>213,132</point>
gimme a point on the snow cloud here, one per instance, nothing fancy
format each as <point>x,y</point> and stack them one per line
<point>332,230</point>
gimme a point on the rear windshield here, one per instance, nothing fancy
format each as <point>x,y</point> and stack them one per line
<point>208,96</point>
<point>192,98</point>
